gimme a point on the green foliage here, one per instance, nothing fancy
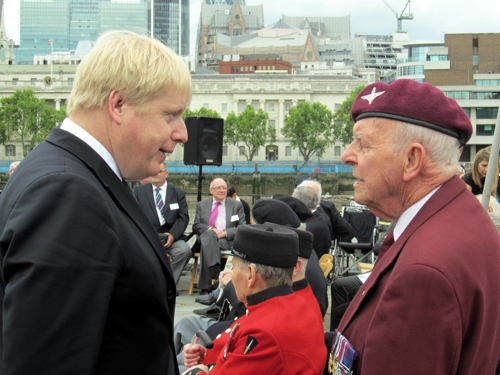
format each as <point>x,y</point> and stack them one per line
<point>248,130</point>
<point>309,128</point>
<point>202,112</point>
<point>27,119</point>
<point>342,118</point>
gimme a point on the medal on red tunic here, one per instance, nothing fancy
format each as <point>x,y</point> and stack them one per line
<point>342,355</point>
<point>230,339</point>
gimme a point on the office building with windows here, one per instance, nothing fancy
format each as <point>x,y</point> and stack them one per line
<point>48,26</point>
<point>466,67</point>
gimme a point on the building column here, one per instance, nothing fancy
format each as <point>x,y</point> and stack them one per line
<point>294,102</point>
<point>281,114</point>
<point>58,104</point>
<point>235,107</point>
<point>262,101</point>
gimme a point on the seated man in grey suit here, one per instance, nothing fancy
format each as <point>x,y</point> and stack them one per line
<point>215,225</point>
<point>166,207</point>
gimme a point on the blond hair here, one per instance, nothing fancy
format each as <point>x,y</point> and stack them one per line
<point>138,66</point>
<point>483,154</point>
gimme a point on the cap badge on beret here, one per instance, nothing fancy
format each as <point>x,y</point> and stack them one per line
<point>374,94</point>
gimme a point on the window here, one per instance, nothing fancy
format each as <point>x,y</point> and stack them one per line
<point>475,42</point>
<point>10,150</point>
<point>255,106</point>
<point>271,86</point>
<point>242,86</point>
<point>272,123</point>
<point>224,150</point>
<point>241,107</point>
<point>301,86</point>
<point>287,86</point>
<point>224,107</point>
<point>457,94</point>
<point>337,106</point>
<point>242,150</point>
<point>15,80</point>
<point>467,111</point>
<point>256,152</point>
<point>475,60</point>
<point>486,113</point>
<point>33,81</point>
<point>485,129</point>
<point>288,151</point>
<point>336,151</point>
<point>287,107</point>
<point>255,86</point>
<point>271,107</point>
<point>206,105</point>
<point>71,80</point>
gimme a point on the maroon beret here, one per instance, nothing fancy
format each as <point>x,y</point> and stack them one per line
<point>416,103</point>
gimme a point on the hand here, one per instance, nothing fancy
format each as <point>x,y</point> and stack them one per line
<point>225,277</point>
<point>193,354</point>
<point>170,240</point>
<point>219,233</point>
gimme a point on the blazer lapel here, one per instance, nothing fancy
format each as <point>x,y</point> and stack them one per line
<point>448,191</point>
<point>168,198</point>
<point>115,188</point>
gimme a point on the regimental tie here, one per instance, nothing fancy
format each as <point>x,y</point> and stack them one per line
<point>159,201</point>
<point>214,214</point>
<point>388,241</point>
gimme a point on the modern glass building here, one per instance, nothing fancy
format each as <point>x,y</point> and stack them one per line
<point>168,21</point>
<point>58,25</point>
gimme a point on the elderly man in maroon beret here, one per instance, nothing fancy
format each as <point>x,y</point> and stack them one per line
<point>431,305</point>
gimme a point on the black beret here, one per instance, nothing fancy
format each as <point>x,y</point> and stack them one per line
<point>274,211</point>
<point>305,241</point>
<point>268,245</point>
<point>301,179</point>
<point>415,103</point>
<point>296,205</point>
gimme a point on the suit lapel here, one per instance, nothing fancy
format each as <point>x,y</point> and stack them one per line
<point>448,191</point>
<point>168,198</point>
<point>229,212</point>
<point>114,187</point>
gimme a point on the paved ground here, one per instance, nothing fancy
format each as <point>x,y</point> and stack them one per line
<point>186,303</point>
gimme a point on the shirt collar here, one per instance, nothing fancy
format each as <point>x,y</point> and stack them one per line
<point>162,188</point>
<point>264,295</point>
<point>410,213</point>
<point>299,285</point>
<point>82,134</point>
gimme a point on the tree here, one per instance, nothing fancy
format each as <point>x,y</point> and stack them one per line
<point>309,128</point>
<point>202,112</point>
<point>27,119</point>
<point>343,123</point>
<point>248,130</point>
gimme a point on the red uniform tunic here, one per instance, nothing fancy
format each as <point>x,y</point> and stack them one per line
<point>279,335</point>
<point>303,289</point>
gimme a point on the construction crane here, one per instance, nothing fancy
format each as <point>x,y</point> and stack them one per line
<point>401,16</point>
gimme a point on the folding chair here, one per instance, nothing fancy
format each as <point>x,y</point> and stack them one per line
<point>365,229</point>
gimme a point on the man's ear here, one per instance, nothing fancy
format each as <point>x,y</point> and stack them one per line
<point>115,104</point>
<point>413,162</point>
<point>252,276</point>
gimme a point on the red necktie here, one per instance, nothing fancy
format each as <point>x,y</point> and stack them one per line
<point>214,214</point>
<point>388,241</point>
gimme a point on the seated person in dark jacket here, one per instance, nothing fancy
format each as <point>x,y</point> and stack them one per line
<point>166,208</point>
<point>341,229</point>
<point>232,194</point>
<point>319,225</point>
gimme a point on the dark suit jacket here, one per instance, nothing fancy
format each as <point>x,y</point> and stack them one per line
<point>176,220</point>
<point>319,226</point>
<point>86,287</point>
<point>431,304</point>
<point>340,227</point>
<point>317,281</point>
<point>234,210</point>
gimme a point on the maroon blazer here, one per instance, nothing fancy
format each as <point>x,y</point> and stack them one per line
<point>432,303</point>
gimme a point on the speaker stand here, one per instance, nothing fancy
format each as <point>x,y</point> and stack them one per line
<point>200,178</point>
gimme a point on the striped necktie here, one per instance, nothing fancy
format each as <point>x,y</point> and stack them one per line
<point>159,201</point>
